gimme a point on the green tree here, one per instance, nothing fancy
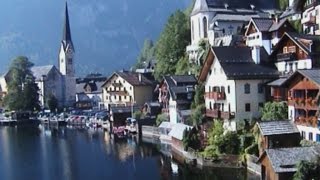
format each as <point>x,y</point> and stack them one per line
<point>52,102</point>
<point>308,170</point>
<point>274,111</point>
<point>229,144</point>
<point>171,45</point>
<point>283,4</point>
<point>191,139</point>
<point>182,66</point>
<point>147,54</point>
<point>22,90</point>
<point>198,115</point>
<point>161,118</point>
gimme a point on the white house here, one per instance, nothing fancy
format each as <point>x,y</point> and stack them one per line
<point>211,19</point>
<point>310,17</point>
<point>234,79</point>
<point>176,95</point>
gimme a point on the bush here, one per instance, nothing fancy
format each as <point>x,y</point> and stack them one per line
<point>161,118</point>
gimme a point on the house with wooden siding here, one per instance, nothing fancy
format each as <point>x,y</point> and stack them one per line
<point>304,102</point>
<point>234,79</point>
<point>278,134</point>
<point>281,163</point>
<point>293,52</point>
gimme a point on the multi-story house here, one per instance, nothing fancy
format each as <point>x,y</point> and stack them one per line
<point>176,95</point>
<point>234,79</point>
<point>125,88</point>
<point>89,95</point>
<point>304,102</point>
<point>266,32</point>
<point>211,19</point>
<point>294,51</point>
<point>310,17</point>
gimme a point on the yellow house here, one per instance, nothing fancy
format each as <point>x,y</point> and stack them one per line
<point>126,88</point>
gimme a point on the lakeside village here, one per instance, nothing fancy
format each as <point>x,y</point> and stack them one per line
<point>246,96</point>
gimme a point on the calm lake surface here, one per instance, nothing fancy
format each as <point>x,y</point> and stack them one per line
<point>81,154</point>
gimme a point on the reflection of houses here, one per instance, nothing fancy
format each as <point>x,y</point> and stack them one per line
<point>176,95</point>
<point>234,79</point>
<point>124,88</point>
<point>266,32</point>
<point>304,102</point>
<point>89,95</point>
<point>294,51</point>
<point>278,134</point>
<point>281,163</point>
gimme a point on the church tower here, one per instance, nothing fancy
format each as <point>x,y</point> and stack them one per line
<point>66,63</point>
<point>66,55</point>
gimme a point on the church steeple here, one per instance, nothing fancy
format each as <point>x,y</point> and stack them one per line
<point>66,28</point>
<point>66,55</point>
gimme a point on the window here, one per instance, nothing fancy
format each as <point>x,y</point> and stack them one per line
<point>205,27</point>
<point>318,138</point>
<point>228,89</point>
<point>260,88</point>
<point>125,97</point>
<point>210,71</point>
<point>106,97</point>
<point>248,108</point>
<point>247,88</point>
<point>120,98</point>
<point>310,136</point>
<point>303,134</point>
<point>292,49</point>
<point>285,50</point>
<point>189,96</point>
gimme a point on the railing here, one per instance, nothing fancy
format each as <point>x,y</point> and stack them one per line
<point>214,113</point>
<point>215,95</point>
<point>307,121</point>
<point>165,110</point>
<point>309,103</point>
<point>286,56</point>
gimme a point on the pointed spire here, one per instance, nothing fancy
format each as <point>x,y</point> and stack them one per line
<point>66,29</point>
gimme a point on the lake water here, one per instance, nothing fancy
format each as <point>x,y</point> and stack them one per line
<point>82,154</point>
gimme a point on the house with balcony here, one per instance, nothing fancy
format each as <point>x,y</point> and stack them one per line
<point>126,88</point>
<point>176,94</point>
<point>304,102</point>
<point>310,17</point>
<point>211,19</point>
<point>266,32</point>
<point>293,52</point>
<point>234,79</point>
<point>89,95</point>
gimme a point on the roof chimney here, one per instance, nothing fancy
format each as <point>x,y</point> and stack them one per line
<point>139,76</point>
<point>255,53</point>
<point>226,5</point>
<point>252,6</point>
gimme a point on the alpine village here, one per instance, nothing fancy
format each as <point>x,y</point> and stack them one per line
<point>228,84</point>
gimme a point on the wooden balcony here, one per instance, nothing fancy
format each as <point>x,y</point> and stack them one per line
<point>214,113</point>
<point>286,57</point>
<point>302,103</point>
<point>307,121</point>
<point>217,96</point>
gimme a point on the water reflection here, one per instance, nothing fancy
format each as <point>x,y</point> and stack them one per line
<point>79,153</point>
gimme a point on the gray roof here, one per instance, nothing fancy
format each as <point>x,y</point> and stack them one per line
<point>234,17</point>
<point>80,88</point>
<point>122,109</point>
<point>184,78</point>
<point>275,26</point>
<point>278,82</point>
<point>180,84</point>
<point>263,24</point>
<point>166,125</point>
<point>132,78</point>
<point>286,159</point>
<point>237,63</point>
<point>177,130</point>
<point>39,71</point>
<point>277,127</point>
<point>311,74</point>
<point>243,4</point>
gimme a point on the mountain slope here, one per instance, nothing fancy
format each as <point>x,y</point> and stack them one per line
<point>107,34</point>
